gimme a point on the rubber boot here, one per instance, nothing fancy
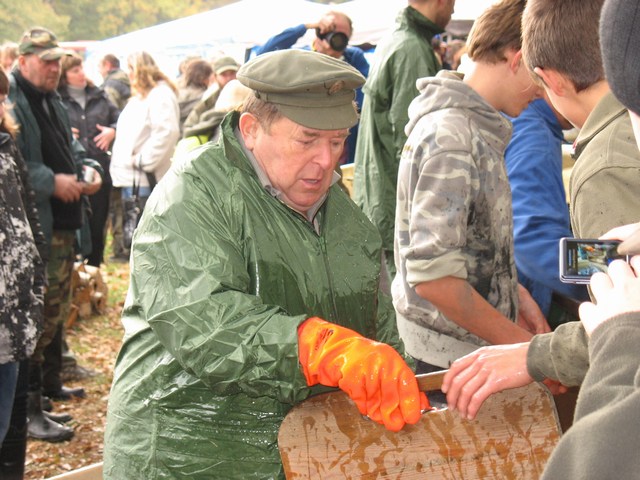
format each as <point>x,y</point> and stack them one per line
<point>14,446</point>
<point>58,417</point>
<point>39,426</point>
<point>52,365</point>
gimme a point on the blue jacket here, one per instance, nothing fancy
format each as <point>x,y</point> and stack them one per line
<point>540,212</point>
<point>354,56</point>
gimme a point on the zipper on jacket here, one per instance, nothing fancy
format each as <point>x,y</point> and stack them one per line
<point>323,248</point>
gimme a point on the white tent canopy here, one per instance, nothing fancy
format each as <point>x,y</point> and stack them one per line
<point>246,23</point>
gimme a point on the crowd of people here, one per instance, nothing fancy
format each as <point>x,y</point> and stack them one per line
<point>256,281</point>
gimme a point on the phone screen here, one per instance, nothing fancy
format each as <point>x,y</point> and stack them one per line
<point>580,258</point>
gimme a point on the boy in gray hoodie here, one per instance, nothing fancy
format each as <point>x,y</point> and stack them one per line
<point>456,287</point>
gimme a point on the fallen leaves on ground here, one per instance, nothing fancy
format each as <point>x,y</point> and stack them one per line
<point>95,342</point>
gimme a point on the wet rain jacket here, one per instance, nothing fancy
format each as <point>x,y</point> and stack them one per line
<point>222,275</point>
<point>404,57</point>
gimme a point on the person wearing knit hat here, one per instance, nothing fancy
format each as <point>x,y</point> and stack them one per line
<point>620,43</point>
<point>243,248</point>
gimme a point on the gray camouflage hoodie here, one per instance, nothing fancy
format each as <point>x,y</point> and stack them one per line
<point>453,214</point>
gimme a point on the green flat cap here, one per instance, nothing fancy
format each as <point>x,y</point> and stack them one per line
<point>312,89</point>
<point>224,64</point>
<point>41,42</point>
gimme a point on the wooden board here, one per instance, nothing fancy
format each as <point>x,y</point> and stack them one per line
<point>511,438</point>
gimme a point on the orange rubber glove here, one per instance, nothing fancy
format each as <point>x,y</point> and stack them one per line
<point>373,374</point>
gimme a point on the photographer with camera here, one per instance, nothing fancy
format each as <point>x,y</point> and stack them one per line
<point>333,32</point>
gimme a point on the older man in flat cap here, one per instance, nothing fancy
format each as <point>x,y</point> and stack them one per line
<point>254,282</point>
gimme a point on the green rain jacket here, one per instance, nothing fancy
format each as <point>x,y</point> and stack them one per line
<point>222,275</point>
<point>402,59</point>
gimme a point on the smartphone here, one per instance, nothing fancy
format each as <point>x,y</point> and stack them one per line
<point>582,257</point>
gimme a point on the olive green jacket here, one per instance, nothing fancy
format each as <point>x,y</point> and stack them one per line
<point>604,194</point>
<point>402,59</point>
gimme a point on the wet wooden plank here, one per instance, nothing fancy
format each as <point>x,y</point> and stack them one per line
<point>511,437</point>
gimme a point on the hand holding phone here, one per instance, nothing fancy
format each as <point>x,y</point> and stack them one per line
<point>582,257</point>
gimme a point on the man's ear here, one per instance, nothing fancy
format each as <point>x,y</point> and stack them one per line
<point>515,60</point>
<point>248,125</point>
<point>556,82</point>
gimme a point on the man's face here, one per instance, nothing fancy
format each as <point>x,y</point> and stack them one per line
<point>524,90</point>
<point>341,25</point>
<point>298,161</point>
<point>225,77</point>
<point>42,74</point>
<point>443,17</point>
<point>563,107</point>
<point>104,68</point>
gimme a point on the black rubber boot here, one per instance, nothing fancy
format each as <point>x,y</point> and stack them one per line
<point>58,417</point>
<point>52,365</point>
<point>14,446</point>
<point>39,426</point>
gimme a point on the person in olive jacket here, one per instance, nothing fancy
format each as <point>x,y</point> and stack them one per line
<point>243,245</point>
<point>93,117</point>
<point>400,59</point>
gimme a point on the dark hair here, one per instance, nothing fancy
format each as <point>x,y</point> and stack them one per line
<point>563,36</point>
<point>112,59</point>
<point>7,124</point>
<point>67,63</point>
<point>198,73</point>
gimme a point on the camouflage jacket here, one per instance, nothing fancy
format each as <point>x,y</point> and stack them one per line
<point>453,214</point>
<point>117,87</point>
<point>22,272</point>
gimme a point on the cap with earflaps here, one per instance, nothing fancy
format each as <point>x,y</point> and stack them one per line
<point>620,42</point>
<point>41,42</point>
<point>309,88</point>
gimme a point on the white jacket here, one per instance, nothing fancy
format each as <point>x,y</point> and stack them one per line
<point>148,130</point>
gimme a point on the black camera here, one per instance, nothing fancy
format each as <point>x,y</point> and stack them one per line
<point>336,40</point>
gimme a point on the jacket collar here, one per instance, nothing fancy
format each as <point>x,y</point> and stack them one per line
<point>607,111</point>
<point>413,20</point>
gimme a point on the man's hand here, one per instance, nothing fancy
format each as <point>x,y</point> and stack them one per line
<point>488,370</point>
<point>105,137</point>
<point>89,188</point>
<point>530,316</point>
<point>616,292</point>
<point>326,24</point>
<point>373,374</point>
<point>67,188</point>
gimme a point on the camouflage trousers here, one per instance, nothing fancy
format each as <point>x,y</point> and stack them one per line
<point>116,219</point>
<point>57,298</point>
